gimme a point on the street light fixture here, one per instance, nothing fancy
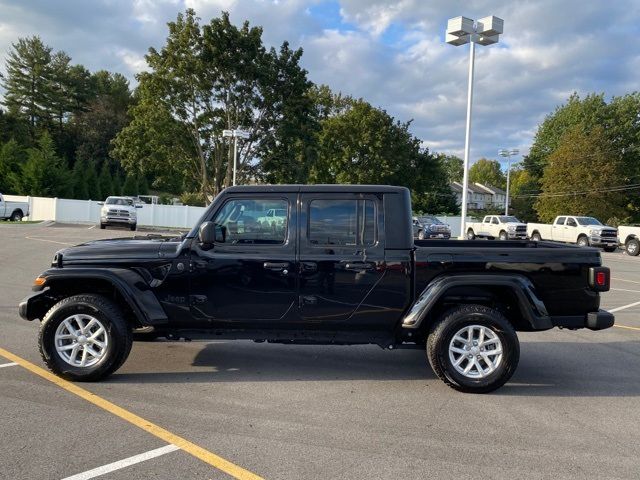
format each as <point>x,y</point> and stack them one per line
<point>460,31</point>
<point>235,134</point>
<point>508,154</point>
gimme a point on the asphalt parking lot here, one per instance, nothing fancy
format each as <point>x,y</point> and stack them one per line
<point>572,409</point>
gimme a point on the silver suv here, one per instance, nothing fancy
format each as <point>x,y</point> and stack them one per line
<point>119,211</point>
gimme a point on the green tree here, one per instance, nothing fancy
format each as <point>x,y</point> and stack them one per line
<point>117,184</point>
<point>130,187</point>
<point>93,183</point>
<point>143,185</point>
<point>577,176</point>
<point>522,190</point>
<point>79,179</point>
<point>44,174</point>
<point>28,80</point>
<point>105,181</point>
<point>453,166</point>
<point>12,158</point>
<point>487,172</point>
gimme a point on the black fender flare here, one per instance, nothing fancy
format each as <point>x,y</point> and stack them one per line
<point>130,285</point>
<point>532,307</point>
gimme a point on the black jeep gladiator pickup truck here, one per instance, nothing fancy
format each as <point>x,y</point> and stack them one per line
<point>315,264</point>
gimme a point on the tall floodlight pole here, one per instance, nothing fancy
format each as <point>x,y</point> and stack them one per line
<point>235,134</point>
<point>508,154</point>
<point>460,31</point>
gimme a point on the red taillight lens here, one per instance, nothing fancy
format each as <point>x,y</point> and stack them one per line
<point>601,279</point>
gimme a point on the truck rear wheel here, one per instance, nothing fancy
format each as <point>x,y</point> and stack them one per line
<point>471,234</point>
<point>473,348</point>
<point>84,338</point>
<point>536,237</point>
<point>632,247</point>
<point>16,216</point>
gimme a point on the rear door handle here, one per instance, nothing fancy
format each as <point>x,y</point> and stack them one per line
<point>278,266</point>
<point>358,266</point>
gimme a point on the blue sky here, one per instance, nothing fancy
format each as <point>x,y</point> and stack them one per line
<point>392,53</point>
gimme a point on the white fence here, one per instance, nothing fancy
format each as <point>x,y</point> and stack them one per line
<point>454,223</point>
<point>88,211</point>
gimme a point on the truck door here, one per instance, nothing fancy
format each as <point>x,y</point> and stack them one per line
<point>341,255</point>
<point>557,229</point>
<point>251,276</point>
<point>571,230</point>
<point>2,207</point>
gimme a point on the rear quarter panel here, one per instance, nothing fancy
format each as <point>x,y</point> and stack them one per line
<point>559,273</point>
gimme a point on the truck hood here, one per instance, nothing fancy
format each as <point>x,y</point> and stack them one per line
<point>121,249</point>
<point>515,224</point>
<point>601,228</point>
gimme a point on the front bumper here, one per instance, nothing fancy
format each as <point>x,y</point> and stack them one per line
<point>34,305</point>
<point>597,241</point>
<point>517,235</point>
<point>593,321</point>
<point>108,219</point>
<point>441,235</point>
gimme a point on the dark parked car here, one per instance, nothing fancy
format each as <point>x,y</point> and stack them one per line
<point>342,268</point>
<point>428,226</point>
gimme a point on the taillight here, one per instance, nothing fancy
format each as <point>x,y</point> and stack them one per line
<point>599,278</point>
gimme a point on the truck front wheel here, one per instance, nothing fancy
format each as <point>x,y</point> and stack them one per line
<point>473,348</point>
<point>583,241</point>
<point>503,235</point>
<point>84,338</point>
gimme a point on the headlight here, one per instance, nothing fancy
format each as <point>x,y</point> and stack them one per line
<point>594,232</point>
<point>511,228</point>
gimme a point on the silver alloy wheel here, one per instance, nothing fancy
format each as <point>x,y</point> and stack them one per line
<point>475,351</point>
<point>81,340</point>
<point>583,242</point>
<point>632,247</point>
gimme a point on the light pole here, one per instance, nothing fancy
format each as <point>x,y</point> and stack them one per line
<point>460,31</point>
<point>508,154</point>
<point>236,133</point>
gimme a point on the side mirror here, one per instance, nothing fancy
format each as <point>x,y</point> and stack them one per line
<point>100,203</point>
<point>211,233</point>
<point>138,205</point>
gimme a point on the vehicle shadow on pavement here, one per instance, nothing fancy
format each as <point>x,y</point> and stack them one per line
<point>240,361</point>
<point>576,369</point>
<point>546,368</point>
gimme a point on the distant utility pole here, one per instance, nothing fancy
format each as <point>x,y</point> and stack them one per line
<point>508,154</point>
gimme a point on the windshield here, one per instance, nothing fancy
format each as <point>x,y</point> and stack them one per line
<point>429,219</point>
<point>508,219</point>
<point>119,201</point>
<point>588,221</point>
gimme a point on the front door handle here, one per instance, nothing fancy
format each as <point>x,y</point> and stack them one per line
<point>277,266</point>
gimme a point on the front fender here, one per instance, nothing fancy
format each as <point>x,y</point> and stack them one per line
<point>135,291</point>
<point>532,307</point>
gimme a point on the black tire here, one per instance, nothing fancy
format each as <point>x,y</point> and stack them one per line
<point>133,227</point>
<point>451,323</point>
<point>503,235</point>
<point>610,249</point>
<point>535,236</point>
<point>582,241</point>
<point>109,314</point>
<point>421,235</point>
<point>102,226</point>
<point>471,234</point>
<point>632,247</point>
<point>16,216</point>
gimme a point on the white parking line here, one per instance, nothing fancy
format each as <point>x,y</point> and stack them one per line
<point>624,280</point>
<point>624,290</point>
<point>624,307</point>
<point>111,467</point>
<point>50,241</point>
<point>10,364</point>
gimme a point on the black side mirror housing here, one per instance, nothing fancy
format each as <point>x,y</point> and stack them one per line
<point>211,233</point>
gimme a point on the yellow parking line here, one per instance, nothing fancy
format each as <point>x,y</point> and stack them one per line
<point>195,450</point>
<point>629,328</point>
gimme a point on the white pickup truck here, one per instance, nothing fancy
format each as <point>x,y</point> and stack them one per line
<point>584,231</point>
<point>14,211</point>
<point>503,227</point>
<point>629,237</point>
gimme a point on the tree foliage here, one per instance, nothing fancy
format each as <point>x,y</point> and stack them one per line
<point>487,172</point>
<point>577,175</point>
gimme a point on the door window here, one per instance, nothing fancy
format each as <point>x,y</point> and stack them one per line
<point>560,220</point>
<point>495,221</point>
<point>571,222</point>
<point>342,222</point>
<point>253,221</point>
